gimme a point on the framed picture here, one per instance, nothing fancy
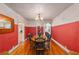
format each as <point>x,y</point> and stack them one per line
<point>6,24</point>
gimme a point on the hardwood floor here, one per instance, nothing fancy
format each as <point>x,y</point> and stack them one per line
<point>24,49</point>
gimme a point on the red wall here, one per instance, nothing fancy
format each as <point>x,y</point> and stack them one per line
<point>67,35</point>
<point>40,29</point>
<point>31,30</point>
<point>8,40</point>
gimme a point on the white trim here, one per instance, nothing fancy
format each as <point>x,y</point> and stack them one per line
<point>69,15</point>
<point>61,46</point>
<point>63,23</point>
<point>16,47</point>
<point>13,48</point>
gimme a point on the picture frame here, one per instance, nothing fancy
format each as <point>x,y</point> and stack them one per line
<point>6,24</point>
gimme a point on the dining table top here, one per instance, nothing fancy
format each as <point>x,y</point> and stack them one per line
<point>40,39</point>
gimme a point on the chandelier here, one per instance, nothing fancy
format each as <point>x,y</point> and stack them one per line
<point>38,17</point>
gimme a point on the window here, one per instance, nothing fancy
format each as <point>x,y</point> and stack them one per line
<point>48,27</point>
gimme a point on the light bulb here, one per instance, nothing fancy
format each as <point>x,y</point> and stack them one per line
<point>41,18</point>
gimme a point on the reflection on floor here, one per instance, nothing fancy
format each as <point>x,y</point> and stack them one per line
<point>24,49</point>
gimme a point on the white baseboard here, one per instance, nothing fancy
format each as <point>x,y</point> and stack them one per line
<point>13,48</point>
<point>16,46</point>
<point>61,46</point>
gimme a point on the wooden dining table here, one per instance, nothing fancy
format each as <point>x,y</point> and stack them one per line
<point>41,41</point>
<point>44,37</point>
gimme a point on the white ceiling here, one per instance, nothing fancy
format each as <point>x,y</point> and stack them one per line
<point>47,10</point>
